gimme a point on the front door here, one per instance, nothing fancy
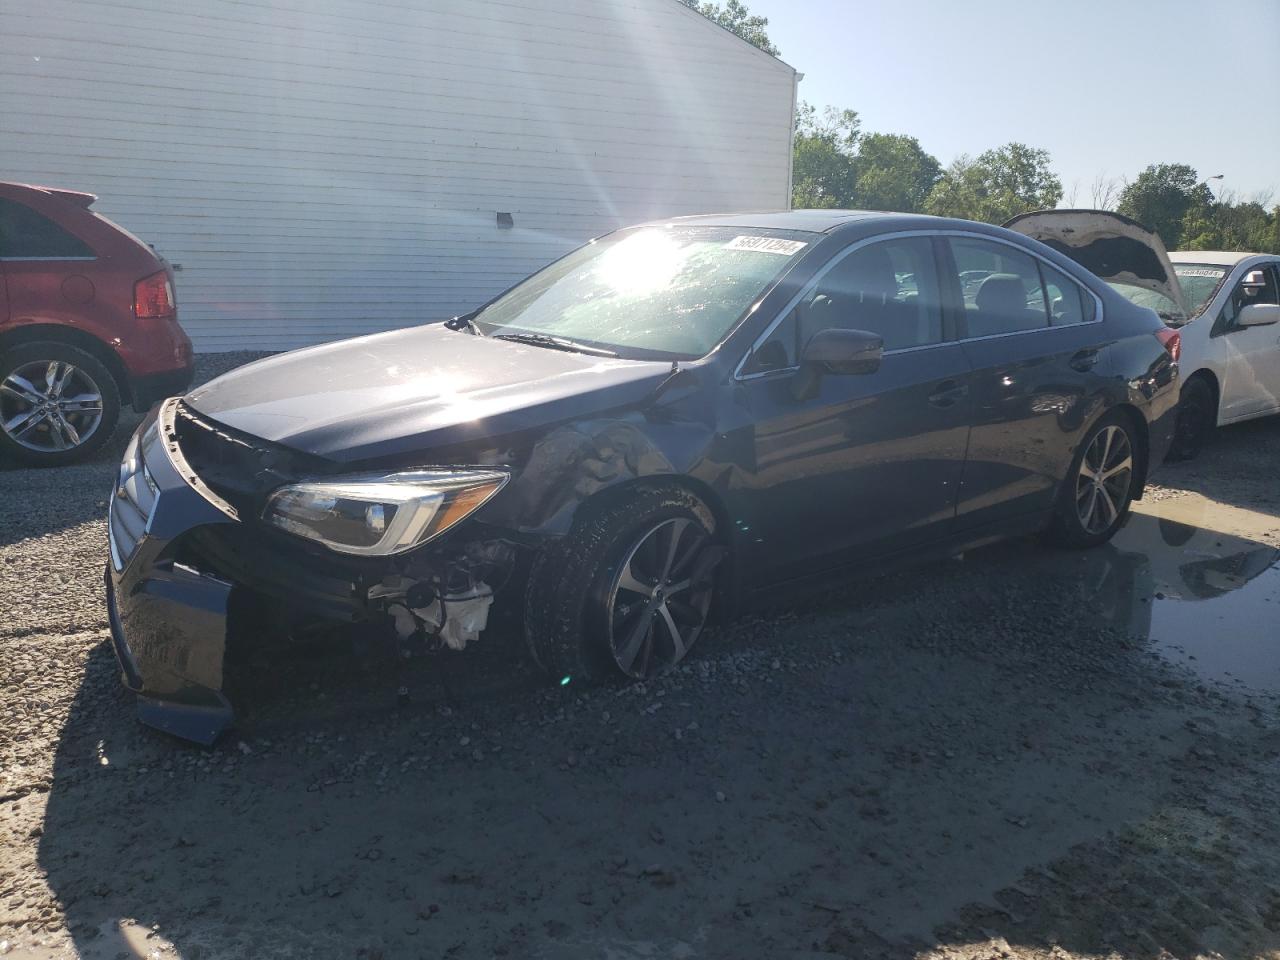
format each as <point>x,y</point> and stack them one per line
<point>869,463</point>
<point>1251,369</point>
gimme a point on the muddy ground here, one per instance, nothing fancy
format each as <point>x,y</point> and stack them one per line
<point>1021,753</point>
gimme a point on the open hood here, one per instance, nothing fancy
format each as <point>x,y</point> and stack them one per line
<point>1109,245</point>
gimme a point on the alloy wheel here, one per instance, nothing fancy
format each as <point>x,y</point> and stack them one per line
<point>49,406</point>
<point>659,600</point>
<point>1106,476</point>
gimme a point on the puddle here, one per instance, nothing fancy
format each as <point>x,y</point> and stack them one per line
<point>1206,599</point>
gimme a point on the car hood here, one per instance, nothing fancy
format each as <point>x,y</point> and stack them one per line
<point>1109,245</point>
<point>407,391</point>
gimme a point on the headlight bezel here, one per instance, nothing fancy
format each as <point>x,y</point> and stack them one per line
<point>425,503</point>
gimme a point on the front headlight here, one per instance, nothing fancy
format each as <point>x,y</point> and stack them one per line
<point>381,515</point>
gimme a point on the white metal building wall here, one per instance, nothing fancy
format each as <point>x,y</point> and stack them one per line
<point>327,169</point>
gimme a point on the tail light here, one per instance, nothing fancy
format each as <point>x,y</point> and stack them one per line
<point>1171,340</point>
<point>153,297</point>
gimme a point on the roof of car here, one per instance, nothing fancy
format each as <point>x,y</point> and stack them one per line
<point>1223,258</point>
<point>817,221</point>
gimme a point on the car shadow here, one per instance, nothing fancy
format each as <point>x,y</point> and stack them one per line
<point>948,756</point>
<point>1233,453</point>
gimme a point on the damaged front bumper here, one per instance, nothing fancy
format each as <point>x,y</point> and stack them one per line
<point>168,621</point>
<point>181,555</point>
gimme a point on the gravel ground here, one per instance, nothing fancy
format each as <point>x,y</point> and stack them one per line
<point>982,758</point>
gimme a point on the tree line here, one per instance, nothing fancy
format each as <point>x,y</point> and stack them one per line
<point>837,164</point>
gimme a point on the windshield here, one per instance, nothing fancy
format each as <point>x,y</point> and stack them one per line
<point>653,292</point>
<point>1199,282</point>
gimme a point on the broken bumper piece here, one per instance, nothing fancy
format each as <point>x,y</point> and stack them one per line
<point>169,635</point>
<point>168,622</point>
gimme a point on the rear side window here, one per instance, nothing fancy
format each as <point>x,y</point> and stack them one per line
<point>28,235</point>
<point>1001,285</point>
<point>1068,302</point>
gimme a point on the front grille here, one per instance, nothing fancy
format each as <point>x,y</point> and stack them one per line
<point>237,467</point>
<point>132,505</point>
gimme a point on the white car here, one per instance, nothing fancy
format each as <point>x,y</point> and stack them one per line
<point>1226,306</point>
<point>1230,343</point>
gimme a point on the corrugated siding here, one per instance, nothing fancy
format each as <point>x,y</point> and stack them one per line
<point>320,174</point>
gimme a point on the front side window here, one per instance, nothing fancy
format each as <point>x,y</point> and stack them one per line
<point>29,235</point>
<point>1256,286</point>
<point>889,288</point>
<point>1001,286</point>
<point>653,292</point>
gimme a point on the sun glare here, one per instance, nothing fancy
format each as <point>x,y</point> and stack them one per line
<point>642,264</point>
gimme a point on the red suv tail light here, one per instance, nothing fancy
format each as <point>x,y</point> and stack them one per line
<point>1171,340</point>
<point>153,297</point>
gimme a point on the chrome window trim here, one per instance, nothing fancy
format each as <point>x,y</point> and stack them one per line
<point>880,238</point>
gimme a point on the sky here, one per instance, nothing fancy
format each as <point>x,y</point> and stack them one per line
<point>1106,86</point>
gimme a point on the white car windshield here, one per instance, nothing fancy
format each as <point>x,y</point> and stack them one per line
<point>653,292</point>
<point>1199,282</point>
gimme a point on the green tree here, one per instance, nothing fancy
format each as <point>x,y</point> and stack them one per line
<point>736,18</point>
<point>1225,224</point>
<point>1161,198</point>
<point>892,172</point>
<point>996,185</point>
<point>822,167</point>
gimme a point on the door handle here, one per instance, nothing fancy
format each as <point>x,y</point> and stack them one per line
<point>1084,361</point>
<point>947,393</point>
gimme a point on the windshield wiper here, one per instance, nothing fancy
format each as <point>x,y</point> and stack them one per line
<point>554,343</point>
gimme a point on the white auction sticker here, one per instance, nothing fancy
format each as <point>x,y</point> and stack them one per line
<point>766,245</point>
<point>1196,272</point>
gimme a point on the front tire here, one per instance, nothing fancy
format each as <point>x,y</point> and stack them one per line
<point>58,403</point>
<point>1098,490</point>
<point>1197,416</point>
<point>628,591</point>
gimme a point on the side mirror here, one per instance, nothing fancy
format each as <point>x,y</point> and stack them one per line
<point>839,353</point>
<point>1258,315</point>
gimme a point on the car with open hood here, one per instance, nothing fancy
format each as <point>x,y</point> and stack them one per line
<point>669,421</point>
<point>1225,305</point>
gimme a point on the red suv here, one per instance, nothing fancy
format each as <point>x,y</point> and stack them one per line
<point>88,321</point>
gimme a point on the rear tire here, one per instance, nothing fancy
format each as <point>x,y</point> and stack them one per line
<point>58,403</point>
<point>1098,490</point>
<point>627,591</point>
<point>1197,419</point>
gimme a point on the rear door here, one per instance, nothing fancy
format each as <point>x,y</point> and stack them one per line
<point>870,463</point>
<point>1034,339</point>
<point>43,265</point>
<point>1251,355</point>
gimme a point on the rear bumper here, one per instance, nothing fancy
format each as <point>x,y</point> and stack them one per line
<point>1162,415</point>
<point>151,388</point>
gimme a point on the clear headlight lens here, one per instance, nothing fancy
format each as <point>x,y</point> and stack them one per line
<point>381,515</point>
